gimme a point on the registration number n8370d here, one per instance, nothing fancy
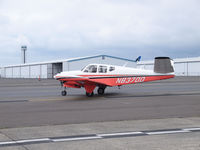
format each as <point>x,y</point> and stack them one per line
<point>130,80</point>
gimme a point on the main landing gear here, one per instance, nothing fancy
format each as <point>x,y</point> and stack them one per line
<point>101,91</point>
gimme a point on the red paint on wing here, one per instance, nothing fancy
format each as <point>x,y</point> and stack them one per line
<point>72,84</point>
<point>89,87</point>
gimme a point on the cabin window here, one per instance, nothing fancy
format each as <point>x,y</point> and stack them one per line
<point>111,68</point>
<point>102,69</point>
<point>91,69</point>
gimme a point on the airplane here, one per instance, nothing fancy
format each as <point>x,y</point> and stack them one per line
<point>103,75</point>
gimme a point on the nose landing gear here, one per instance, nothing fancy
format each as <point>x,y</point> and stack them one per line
<point>64,93</point>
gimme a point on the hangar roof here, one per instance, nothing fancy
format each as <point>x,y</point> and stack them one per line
<point>176,60</point>
<point>69,60</point>
<point>191,59</point>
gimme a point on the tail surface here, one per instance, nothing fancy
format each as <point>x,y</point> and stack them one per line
<point>163,65</point>
<point>138,59</point>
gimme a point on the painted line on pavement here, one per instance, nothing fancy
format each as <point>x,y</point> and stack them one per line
<point>192,129</point>
<point>120,134</point>
<point>77,139</point>
<point>98,136</point>
<point>12,101</point>
<point>167,132</point>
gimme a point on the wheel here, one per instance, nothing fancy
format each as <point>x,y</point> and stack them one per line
<point>100,91</point>
<point>64,93</point>
<point>89,94</point>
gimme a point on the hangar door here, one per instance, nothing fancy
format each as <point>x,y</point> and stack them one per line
<point>56,68</point>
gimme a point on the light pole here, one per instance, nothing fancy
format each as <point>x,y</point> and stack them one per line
<point>24,49</point>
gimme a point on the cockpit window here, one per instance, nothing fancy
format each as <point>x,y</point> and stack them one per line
<point>91,69</point>
<point>111,68</point>
<point>102,69</point>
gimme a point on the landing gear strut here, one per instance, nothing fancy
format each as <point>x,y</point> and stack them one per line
<point>89,94</point>
<point>64,92</point>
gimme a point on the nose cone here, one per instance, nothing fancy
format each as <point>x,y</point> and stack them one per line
<point>57,76</point>
<point>67,74</point>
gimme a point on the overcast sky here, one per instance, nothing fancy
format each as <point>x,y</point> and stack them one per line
<point>56,29</point>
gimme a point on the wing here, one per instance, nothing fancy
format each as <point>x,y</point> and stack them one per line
<point>78,81</point>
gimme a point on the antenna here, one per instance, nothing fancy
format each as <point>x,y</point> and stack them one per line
<point>23,49</point>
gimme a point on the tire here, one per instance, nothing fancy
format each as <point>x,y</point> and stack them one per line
<point>64,93</point>
<point>100,91</point>
<point>89,94</point>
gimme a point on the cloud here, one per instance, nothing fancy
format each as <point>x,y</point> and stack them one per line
<point>125,28</point>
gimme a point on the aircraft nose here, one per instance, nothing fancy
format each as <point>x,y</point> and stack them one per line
<point>56,76</point>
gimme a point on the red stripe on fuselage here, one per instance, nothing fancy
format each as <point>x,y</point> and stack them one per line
<point>117,79</point>
<point>130,80</point>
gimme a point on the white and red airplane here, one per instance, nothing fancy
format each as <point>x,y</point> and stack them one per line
<point>102,76</point>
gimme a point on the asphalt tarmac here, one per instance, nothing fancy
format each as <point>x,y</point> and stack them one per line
<point>32,103</point>
<point>160,115</point>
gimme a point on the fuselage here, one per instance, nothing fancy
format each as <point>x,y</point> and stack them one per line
<point>112,75</point>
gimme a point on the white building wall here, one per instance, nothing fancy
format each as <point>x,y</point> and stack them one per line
<point>16,72</point>
<point>32,71</point>
<point>180,69</point>
<point>25,72</point>
<point>35,71</point>
<point>48,69</point>
<point>8,72</point>
<point>44,71</point>
<point>65,66</point>
<point>194,69</point>
<point>187,68</point>
<point>3,72</point>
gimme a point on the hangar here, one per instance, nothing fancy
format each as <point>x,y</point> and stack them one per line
<point>183,66</point>
<point>50,68</point>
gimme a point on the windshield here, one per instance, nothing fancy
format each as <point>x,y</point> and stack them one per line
<point>83,68</point>
<point>91,69</point>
